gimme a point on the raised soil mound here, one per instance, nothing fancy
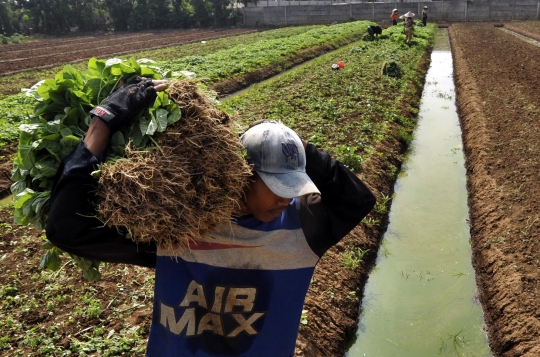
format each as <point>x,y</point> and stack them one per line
<point>498,98</point>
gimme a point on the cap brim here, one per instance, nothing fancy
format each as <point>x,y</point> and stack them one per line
<point>289,185</point>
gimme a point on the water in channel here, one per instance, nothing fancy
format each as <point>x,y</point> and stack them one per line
<point>420,299</point>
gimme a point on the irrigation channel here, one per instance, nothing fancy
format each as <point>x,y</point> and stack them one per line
<point>420,298</point>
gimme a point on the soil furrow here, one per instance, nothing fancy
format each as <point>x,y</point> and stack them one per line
<point>99,45</point>
<point>498,99</point>
<point>43,62</point>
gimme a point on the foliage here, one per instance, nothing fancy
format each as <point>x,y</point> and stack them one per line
<point>393,69</point>
<point>359,93</point>
<point>13,83</point>
<point>55,17</point>
<point>57,125</point>
<point>13,111</point>
<point>352,258</point>
<point>348,157</point>
<point>15,38</point>
<point>346,112</point>
<point>244,58</point>
<point>54,313</point>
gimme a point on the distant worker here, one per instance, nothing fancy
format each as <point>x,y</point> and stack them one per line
<point>394,17</point>
<point>374,30</point>
<point>424,15</point>
<point>409,26</point>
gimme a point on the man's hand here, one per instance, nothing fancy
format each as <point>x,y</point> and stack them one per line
<point>98,134</point>
<point>127,101</point>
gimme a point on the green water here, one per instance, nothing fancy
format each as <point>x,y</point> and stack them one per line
<point>420,299</point>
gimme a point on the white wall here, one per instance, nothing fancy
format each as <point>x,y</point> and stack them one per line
<point>280,13</point>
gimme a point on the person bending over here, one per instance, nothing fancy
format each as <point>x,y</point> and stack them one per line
<point>374,31</point>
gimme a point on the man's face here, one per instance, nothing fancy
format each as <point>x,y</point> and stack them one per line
<point>263,203</point>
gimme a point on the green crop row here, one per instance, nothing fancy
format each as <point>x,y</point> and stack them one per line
<point>12,84</point>
<point>346,112</point>
<point>274,45</point>
<point>203,49</point>
<point>245,58</point>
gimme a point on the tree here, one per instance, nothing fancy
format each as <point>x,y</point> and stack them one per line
<point>120,11</point>
<point>202,12</point>
<point>5,22</point>
<point>183,14</point>
<point>222,11</point>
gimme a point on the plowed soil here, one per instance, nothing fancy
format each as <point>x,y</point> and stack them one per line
<point>498,97</point>
<point>48,54</point>
<point>529,28</point>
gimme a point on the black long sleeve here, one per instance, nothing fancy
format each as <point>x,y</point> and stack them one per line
<point>344,201</point>
<point>72,225</point>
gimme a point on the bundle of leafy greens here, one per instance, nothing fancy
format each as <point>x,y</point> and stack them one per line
<point>59,122</point>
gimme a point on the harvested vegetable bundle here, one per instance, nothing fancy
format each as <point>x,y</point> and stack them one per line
<point>192,182</point>
<point>60,119</point>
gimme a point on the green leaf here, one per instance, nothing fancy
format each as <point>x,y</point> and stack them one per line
<point>59,98</point>
<point>18,187</point>
<point>47,245</point>
<point>92,274</point>
<point>54,126</point>
<point>65,131</point>
<point>48,167</point>
<point>26,157</point>
<point>149,73</point>
<point>46,87</point>
<point>135,135</point>
<point>93,87</point>
<point>38,203</point>
<point>97,68</point>
<point>152,127</point>
<point>161,119</point>
<point>144,123</point>
<point>68,144</point>
<point>50,260</point>
<point>174,115</point>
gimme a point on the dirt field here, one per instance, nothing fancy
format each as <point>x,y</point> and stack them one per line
<point>47,54</point>
<point>332,309</point>
<point>530,29</point>
<point>498,96</point>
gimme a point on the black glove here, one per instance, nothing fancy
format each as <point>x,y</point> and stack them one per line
<point>125,103</point>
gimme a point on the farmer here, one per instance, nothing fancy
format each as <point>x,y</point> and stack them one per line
<point>424,15</point>
<point>240,290</point>
<point>374,30</point>
<point>394,16</point>
<point>409,26</point>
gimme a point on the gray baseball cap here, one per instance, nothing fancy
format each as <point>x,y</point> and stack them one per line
<point>278,156</point>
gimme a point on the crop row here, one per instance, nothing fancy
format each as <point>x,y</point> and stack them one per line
<point>145,39</point>
<point>245,58</point>
<point>337,108</point>
<point>14,109</point>
<point>59,43</point>
<point>365,116</point>
<point>50,58</point>
<point>11,84</point>
<point>345,112</point>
